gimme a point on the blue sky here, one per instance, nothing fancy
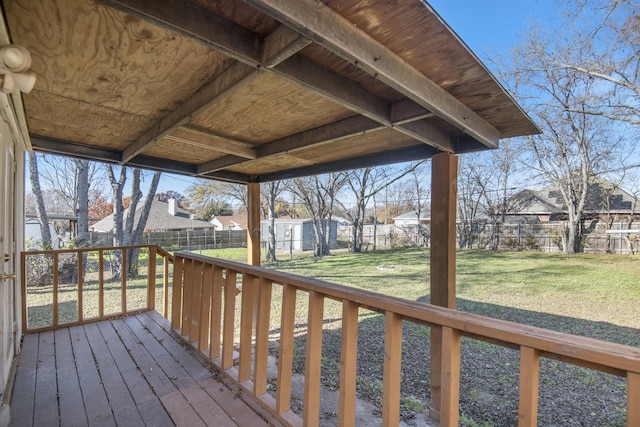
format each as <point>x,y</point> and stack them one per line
<point>488,26</point>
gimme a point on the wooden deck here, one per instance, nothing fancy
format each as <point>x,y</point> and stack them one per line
<point>129,372</point>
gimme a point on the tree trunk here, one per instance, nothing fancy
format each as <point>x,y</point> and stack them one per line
<point>117,187</point>
<point>40,209</point>
<point>136,236</point>
<point>82,204</point>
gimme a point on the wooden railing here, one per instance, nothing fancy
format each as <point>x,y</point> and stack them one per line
<point>65,287</point>
<point>204,312</point>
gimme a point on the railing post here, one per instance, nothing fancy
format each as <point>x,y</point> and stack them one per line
<point>151,273</point>
<point>101,282</point>
<point>55,289</point>
<point>313,360</point>
<point>285,353</point>
<point>196,301</point>
<point>176,303</point>
<point>450,378</point>
<point>205,306</point>
<point>391,369</point>
<point>187,290</point>
<point>216,313</point>
<point>633,399</point>
<point>246,326</point>
<point>165,286</point>
<point>348,358</point>
<point>261,357</point>
<point>123,280</point>
<point>529,378</point>
<point>229,315</point>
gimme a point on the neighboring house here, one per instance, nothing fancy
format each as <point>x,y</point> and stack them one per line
<point>411,218</point>
<point>165,215</point>
<point>33,234</point>
<point>297,234</point>
<point>548,205</point>
<point>228,222</point>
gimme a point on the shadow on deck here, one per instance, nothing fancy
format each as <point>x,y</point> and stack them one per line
<point>128,371</point>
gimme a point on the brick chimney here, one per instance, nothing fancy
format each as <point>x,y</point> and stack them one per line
<point>173,208</point>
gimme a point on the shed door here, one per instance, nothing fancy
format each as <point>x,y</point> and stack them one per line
<point>7,239</point>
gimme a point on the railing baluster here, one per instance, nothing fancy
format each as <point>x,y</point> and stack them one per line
<point>165,286</point>
<point>80,276</point>
<point>205,309</point>
<point>100,282</point>
<point>262,337</point>
<point>450,409</point>
<point>229,315</point>
<point>55,289</point>
<point>123,280</point>
<point>529,377</point>
<point>313,361</point>
<point>151,275</point>
<point>187,290</point>
<point>23,270</point>
<point>176,303</point>
<point>216,313</point>
<point>285,353</point>
<point>246,326</point>
<point>348,358</point>
<point>196,301</point>
<point>391,370</point>
<point>633,399</point>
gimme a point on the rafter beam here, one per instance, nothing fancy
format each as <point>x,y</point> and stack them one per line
<point>224,85</point>
<point>429,134</point>
<point>346,128</point>
<point>329,29</point>
<point>280,45</point>
<point>377,159</point>
<point>196,22</point>
<point>211,140</point>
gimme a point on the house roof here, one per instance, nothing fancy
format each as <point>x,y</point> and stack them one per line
<point>549,200</point>
<point>424,214</point>
<point>159,219</point>
<point>256,90</point>
<point>232,220</point>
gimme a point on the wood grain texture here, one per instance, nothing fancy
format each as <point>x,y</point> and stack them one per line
<point>528,390</point>
<point>269,108</point>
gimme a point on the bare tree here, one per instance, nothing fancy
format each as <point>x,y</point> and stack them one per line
<point>364,185</point>
<point>575,145</point>
<point>318,194</point>
<point>273,190</point>
<point>124,233</point>
<point>41,212</point>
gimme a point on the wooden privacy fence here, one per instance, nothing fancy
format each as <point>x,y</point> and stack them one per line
<point>204,312</point>
<point>65,287</point>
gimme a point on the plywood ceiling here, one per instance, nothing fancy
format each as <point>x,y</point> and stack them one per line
<point>255,90</point>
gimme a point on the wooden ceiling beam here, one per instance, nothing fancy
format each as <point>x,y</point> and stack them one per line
<point>330,30</point>
<point>212,140</point>
<point>388,157</point>
<point>429,134</point>
<point>224,85</point>
<point>341,90</point>
<point>196,22</point>
<point>282,44</point>
<point>346,128</point>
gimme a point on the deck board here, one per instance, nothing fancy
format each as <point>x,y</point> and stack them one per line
<point>129,371</point>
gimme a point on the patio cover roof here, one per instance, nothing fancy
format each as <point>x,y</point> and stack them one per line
<point>257,90</point>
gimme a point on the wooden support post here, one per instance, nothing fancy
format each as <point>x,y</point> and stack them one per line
<point>529,378</point>
<point>253,225</point>
<point>444,172</point>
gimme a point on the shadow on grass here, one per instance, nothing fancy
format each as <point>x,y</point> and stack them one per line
<point>569,395</point>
